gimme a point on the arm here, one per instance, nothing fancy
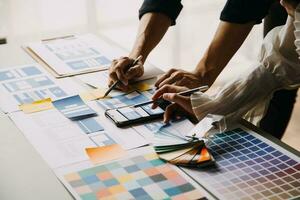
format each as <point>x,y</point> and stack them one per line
<point>227,40</point>
<point>156,17</point>
<point>248,95</point>
<point>237,19</point>
<point>152,28</point>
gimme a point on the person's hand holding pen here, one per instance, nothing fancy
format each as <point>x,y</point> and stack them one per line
<point>122,70</point>
<point>180,104</point>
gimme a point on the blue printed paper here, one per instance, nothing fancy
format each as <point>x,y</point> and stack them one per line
<point>74,108</point>
<point>89,125</point>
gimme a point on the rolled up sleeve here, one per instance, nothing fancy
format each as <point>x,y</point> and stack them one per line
<point>171,8</point>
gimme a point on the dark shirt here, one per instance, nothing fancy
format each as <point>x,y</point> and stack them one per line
<point>235,11</point>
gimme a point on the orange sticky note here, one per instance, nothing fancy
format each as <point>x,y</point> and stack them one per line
<point>106,153</point>
<point>37,106</point>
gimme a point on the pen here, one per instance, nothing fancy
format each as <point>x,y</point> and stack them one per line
<point>117,82</point>
<point>183,93</point>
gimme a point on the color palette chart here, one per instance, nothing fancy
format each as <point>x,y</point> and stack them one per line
<point>140,177</point>
<point>250,167</point>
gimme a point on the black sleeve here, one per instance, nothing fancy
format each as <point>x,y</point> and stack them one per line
<point>244,11</point>
<point>170,8</point>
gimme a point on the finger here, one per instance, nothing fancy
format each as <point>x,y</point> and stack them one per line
<point>170,110</point>
<point>163,77</point>
<point>110,82</point>
<point>183,101</point>
<point>162,90</point>
<point>171,79</point>
<point>113,77</point>
<point>121,77</point>
<point>119,69</point>
<point>134,72</point>
<point>122,87</point>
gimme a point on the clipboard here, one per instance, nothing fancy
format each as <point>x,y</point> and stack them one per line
<point>43,62</point>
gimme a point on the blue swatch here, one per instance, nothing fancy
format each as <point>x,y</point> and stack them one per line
<point>74,108</point>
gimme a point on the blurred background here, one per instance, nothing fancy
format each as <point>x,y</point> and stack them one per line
<point>24,21</point>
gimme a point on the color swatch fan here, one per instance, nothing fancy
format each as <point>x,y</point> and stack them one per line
<point>181,150</point>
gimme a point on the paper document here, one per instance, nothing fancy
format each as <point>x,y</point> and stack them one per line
<point>100,79</point>
<point>132,98</point>
<point>148,130</point>
<point>26,84</point>
<point>61,141</point>
<point>139,175</point>
<point>75,54</point>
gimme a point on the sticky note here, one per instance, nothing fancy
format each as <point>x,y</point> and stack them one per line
<point>94,94</point>
<point>106,153</point>
<point>74,108</point>
<point>37,106</point>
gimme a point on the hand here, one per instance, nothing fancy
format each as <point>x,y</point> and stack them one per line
<point>289,6</point>
<point>181,104</point>
<point>180,78</point>
<point>118,68</point>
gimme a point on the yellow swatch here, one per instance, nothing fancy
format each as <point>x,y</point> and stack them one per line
<point>141,86</point>
<point>106,153</point>
<point>37,106</point>
<point>94,94</point>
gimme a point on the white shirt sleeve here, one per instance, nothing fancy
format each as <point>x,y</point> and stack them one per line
<point>247,97</point>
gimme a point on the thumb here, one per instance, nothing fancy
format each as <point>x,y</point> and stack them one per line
<point>173,97</point>
<point>182,101</point>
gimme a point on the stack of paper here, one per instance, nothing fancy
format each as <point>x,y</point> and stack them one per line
<point>181,150</point>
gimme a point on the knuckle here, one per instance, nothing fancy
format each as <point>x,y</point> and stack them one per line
<point>172,70</point>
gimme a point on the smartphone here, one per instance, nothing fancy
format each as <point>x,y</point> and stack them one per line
<point>130,115</point>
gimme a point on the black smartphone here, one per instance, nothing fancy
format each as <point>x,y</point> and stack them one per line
<point>130,115</point>
<point>143,112</point>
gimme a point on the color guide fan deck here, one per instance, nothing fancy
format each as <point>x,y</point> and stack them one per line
<point>140,177</point>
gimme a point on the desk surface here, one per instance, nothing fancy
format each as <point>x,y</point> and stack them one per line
<point>23,172</point>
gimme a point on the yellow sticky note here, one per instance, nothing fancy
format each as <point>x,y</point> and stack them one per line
<point>37,106</point>
<point>106,153</point>
<point>93,94</point>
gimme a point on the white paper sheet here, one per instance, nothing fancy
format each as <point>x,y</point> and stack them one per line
<point>148,130</point>
<point>100,79</point>
<point>76,54</point>
<point>128,137</point>
<point>60,172</point>
<point>28,83</point>
<point>61,141</point>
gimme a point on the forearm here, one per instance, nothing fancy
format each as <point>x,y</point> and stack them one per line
<point>152,28</point>
<point>227,40</point>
